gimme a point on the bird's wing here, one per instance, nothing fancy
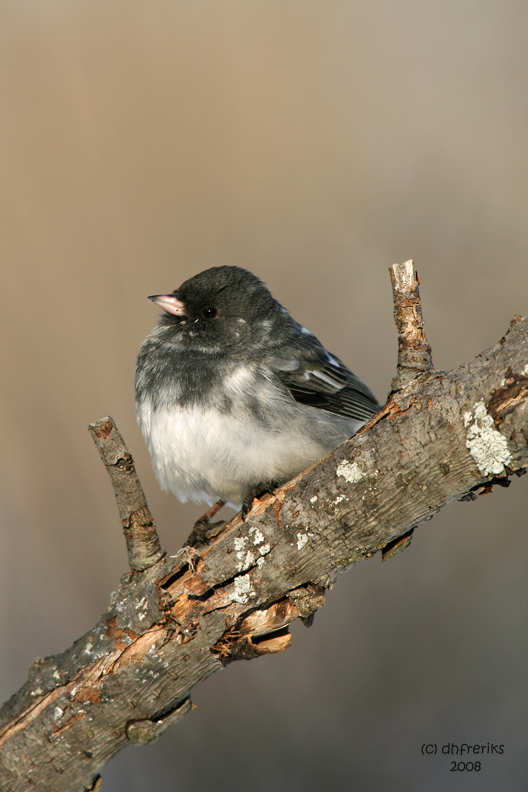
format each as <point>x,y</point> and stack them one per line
<point>313,376</point>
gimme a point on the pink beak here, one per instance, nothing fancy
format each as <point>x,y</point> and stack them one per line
<point>170,303</point>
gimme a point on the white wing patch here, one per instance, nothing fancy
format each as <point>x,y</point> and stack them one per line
<point>328,380</point>
<point>332,360</point>
<point>283,364</point>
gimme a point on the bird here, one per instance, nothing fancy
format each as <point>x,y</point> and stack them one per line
<point>234,397</point>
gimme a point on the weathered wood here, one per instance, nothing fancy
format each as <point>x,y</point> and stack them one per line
<point>170,626</point>
<point>414,352</point>
<point>143,544</point>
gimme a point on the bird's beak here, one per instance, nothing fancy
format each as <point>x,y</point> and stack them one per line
<point>170,303</point>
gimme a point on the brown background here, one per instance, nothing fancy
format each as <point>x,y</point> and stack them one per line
<point>314,143</point>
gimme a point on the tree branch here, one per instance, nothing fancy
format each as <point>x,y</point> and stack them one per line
<point>143,544</point>
<point>414,352</point>
<point>169,626</point>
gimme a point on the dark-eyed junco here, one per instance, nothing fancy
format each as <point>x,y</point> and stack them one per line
<point>232,395</point>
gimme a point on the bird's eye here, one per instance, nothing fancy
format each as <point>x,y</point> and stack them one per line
<point>210,313</point>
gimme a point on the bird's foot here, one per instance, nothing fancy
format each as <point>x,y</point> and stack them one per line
<point>204,530</point>
<point>256,492</point>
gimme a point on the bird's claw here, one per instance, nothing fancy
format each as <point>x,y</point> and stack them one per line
<point>255,493</point>
<point>203,532</point>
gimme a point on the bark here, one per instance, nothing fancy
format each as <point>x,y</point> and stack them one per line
<point>143,544</point>
<point>176,620</point>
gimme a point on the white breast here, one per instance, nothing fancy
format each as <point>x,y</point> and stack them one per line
<point>205,454</point>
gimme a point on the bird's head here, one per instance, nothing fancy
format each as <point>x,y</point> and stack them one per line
<point>220,307</point>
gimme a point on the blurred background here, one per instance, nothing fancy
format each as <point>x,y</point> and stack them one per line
<point>314,143</point>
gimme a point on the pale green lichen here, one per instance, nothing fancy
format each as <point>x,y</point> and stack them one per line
<point>487,446</point>
<point>259,536</point>
<point>350,472</point>
<point>243,590</point>
<point>302,540</point>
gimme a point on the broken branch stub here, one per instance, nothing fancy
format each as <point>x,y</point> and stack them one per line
<point>143,544</point>
<point>414,352</point>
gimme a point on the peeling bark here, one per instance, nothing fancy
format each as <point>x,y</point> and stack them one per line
<point>173,622</point>
<point>414,352</point>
